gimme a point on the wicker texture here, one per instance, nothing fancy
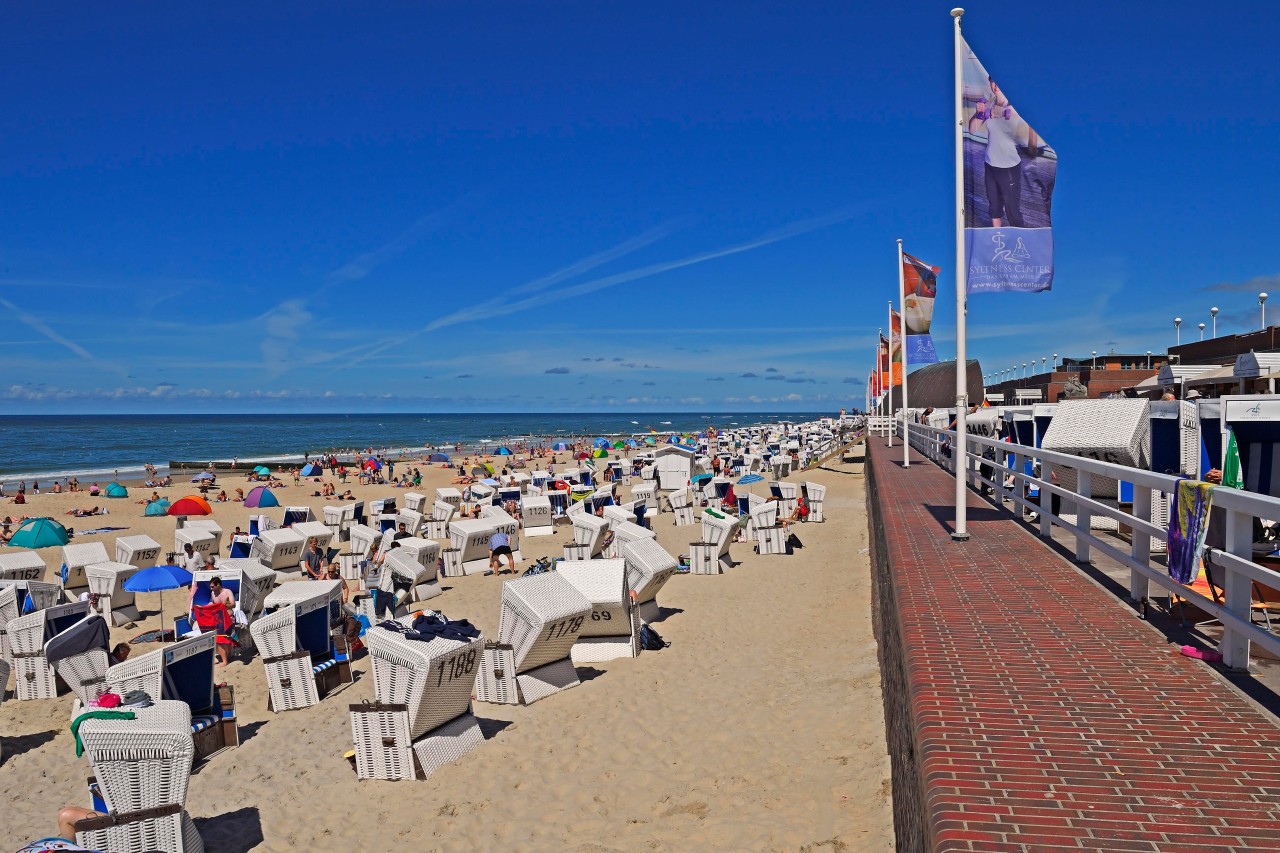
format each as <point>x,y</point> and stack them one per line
<point>384,749</point>
<point>363,540</point>
<point>174,832</point>
<point>4,679</point>
<point>541,617</point>
<point>604,584</point>
<point>649,567</point>
<point>434,679</point>
<point>448,743</point>
<point>139,672</point>
<point>85,674</point>
<point>496,680</point>
<point>274,634</point>
<point>291,683</point>
<point>21,565</point>
<point>278,549</point>
<point>76,557</point>
<point>546,681</point>
<point>590,531</point>
<point>1108,430</point>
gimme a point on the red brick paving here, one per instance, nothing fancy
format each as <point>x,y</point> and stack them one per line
<point>1047,715</point>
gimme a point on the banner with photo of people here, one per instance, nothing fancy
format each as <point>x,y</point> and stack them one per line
<point>884,363</point>
<point>1009,175</point>
<point>920,288</point>
<point>895,347</point>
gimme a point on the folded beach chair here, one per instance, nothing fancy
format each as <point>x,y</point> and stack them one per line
<point>541,618</point>
<point>649,567</point>
<point>589,532</point>
<point>140,551</point>
<point>710,556</point>
<point>536,517</point>
<point>21,566</point>
<point>416,502</point>
<point>210,525</point>
<point>422,719</point>
<point>613,628</point>
<point>35,678</point>
<point>106,581</point>
<point>74,560</point>
<point>142,767</point>
<point>19,597</point>
<point>304,659</point>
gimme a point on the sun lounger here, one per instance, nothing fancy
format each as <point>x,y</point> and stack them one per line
<point>106,581</point>
<point>649,567</point>
<point>613,628</point>
<point>140,551</point>
<point>588,537</point>
<point>142,768</point>
<point>27,635</point>
<point>279,549</point>
<point>74,560</point>
<point>304,660</point>
<point>710,556</point>
<point>422,719</point>
<point>541,618</point>
<point>535,515</point>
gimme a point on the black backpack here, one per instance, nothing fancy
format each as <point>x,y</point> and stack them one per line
<point>651,640</point>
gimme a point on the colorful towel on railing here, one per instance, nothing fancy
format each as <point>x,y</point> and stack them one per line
<point>1188,524</point>
<point>96,715</point>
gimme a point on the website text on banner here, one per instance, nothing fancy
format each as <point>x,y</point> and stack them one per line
<point>1009,174</point>
<point>920,285</point>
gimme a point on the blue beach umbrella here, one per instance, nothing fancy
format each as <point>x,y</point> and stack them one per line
<point>699,478</point>
<point>750,478</point>
<point>40,533</point>
<point>262,471</point>
<point>202,476</point>
<point>160,507</point>
<point>158,579</point>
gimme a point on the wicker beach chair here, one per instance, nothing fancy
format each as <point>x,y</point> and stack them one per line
<point>540,620</point>
<point>613,629</point>
<point>469,538</point>
<point>35,678</point>
<point>20,597</point>
<point>1116,431</point>
<point>422,719</point>
<point>202,540</point>
<point>78,656</point>
<point>536,516</point>
<point>318,531</point>
<point>210,525</point>
<point>588,537</point>
<point>770,536</point>
<point>416,502</point>
<point>710,556</point>
<point>411,519</point>
<point>140,551</point>
<point>279,549</point>
<point>411,575</point>
<point>304,660</point>
<point>814,495</point>
<point>364,541</point>
<point>649,567</point>
<point>142,768</point>
<point>437,526</point>
<point>624,532</point>
<point>75,558</point>
<point>4,686</point>
<point>645,491</point>
<point>106,581</point>
<point>682,505</point>
<point>249,581</point>
<point>21,566</point>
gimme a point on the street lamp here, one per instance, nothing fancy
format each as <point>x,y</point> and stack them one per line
<point>1095,360</point>
<point>1148,359</point>
<point>1024,370</point>
<point>1213,313</point>
<point>1201,331</point>
<point>1043,360</point>
<point>1262,303</point>
<point>1177,327</point>
<point>1055,361</point>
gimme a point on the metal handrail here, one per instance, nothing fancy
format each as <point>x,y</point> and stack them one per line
<point>1239,507</point>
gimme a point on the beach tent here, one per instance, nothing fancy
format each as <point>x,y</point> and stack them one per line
<point>581,454</point>
<point>372,464</point>
<point>602,442</point>
<point>261,497</point>
<point>312,470</point>
<point>160,507</point>
<point>619,445</point>
<point>262,471</point>
<point>40,533</point>
<point>600,453</point>
<point>504,451</point>
<point>437,457</point>
<point>559,445</point>
<point>651,441</point>
<point>115,490</point>
<point>190,505</point>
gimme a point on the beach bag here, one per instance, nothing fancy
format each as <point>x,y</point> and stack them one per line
<point>651,640</point>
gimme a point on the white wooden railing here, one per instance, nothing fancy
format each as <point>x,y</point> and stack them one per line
<point>1238,571</point>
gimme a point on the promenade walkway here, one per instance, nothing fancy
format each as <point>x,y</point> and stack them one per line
<point>1029,710</point>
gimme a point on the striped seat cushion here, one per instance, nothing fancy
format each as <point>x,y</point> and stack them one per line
<point>200,722</point>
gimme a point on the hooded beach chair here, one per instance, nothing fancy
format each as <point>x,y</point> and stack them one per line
<point>279,549</point>
<point>210,525</point>
<point>589,534</point>
<point>201,539</point>
<point>19,597</point>
<point>75,558</point>
<point>78,656</point>
<point>623,532</point>
<point>416,502</point>
<point>710,556</point>
<point>35,678</point>
<point>140,551</point>
<point>682,505</point>
<point>540,620</point>
<point>410,572</point>
<point>814,495</point>
<point>422,719</point>
<point>437,526</point>
<point>141,768</point>
<point>318,531</point>
<point>649,567</point>
<point>248,580</point>
<point>771,537</point>
<point>536,517</point>
<point>297,515</point>
<point>612,630</point>
<point>106,581</point>
<point>303,658</point>
<point>21,566</point>
<point>411,519</point>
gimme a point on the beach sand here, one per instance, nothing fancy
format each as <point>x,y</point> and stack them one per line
<point>759,728</point>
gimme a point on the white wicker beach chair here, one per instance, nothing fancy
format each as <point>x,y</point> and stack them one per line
<point>437,526</point>
<point>279,549</point>
<point>1116,431</point>
<point>4,687</point>
<point>364,541</point>
<point>35,679</point>
<point>78,656</point>
<point>588,537</point>
<point>536,516</point>
<point>624,532</point>
<point>106,581</point>
<point>416,502</point>
<point>613,629</point>
<point>449,495</point>
<point>297,515</point>
<point>541,618</point>
<point>470,537</point>
<point>249,581</point>
<point>649,567</point>
<point>18,597</point>
<point>413,569</point>
<point>302,660</point>
<point>422,719</point>
<point>202,540</point>
<point>710,556</point>
<point>210,525</point>
<point>645,491</point>
<point>21,566</point>
<point>814,495</point>
<point>74,560</point>
<point>411,519</point>
<point>140,551</point>
<point>318,531</point>
<point>682,505</point>
<point>142,768</point>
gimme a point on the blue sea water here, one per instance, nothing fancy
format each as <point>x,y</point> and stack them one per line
<point>96,446</point>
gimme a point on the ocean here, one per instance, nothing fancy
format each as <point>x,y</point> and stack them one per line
<point>48,447</point>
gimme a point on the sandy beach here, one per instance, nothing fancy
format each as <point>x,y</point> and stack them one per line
<point>759,728</point>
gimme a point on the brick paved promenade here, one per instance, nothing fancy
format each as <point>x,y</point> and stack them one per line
<point>1034,711</point>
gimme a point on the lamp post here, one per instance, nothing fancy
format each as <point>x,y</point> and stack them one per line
<point>1177,328</point>
<point>1262,303</point>
<point>1055,361</point>
<point>1148,359</point>
<point>1043,361</point>
<point>1024,370</point>
<point>1201,331</point>
<point>1094,365</point>
<point>1213,315</point>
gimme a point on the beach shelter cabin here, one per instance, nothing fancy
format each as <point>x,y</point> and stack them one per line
<point>202,540</point>
<point>27,635</point>
<point>106,580</point>
<point>210,525</point>
<point>674,464</point>
<point>649,567</point>
<point>1255,422</point>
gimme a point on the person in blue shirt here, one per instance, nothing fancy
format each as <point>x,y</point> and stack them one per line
<point>500,544</point>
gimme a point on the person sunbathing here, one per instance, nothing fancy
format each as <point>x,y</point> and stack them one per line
<point>464,480</point>
<point>82,513</point>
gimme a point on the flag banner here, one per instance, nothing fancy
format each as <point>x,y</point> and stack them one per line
<point>920,286</point>
<point>895,347</point>
<point>1009,175</point>
<point>884,364</point>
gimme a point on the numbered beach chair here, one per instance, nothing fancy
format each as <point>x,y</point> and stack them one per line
<point>588,537</point>
<point>34,677</point>
<point>141,768</point>
<point>416,502</point>
<point>541,618</point>
<point>535,515</point>
<point>645,491</point>
<point>309,530</point>
<point>710,556</point>
<point>210,525</point>
<point>279,549</point>
<point>297,515</point>
<point>140,551</point>
<point>624,532</point>
<point>612,630</point>
<point>649,567</point>
<point>21,566</point>
<point>303,658</point>
<point>75,559</point>
<point>248,580</point>
<point>19,598</point>
<point>422,719</point>
<point>106,581</point>
<point>202,541</point>
<point>78,656</point>
<point>411,575</point>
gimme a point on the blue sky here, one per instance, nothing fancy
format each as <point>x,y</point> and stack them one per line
<point>591,206</point>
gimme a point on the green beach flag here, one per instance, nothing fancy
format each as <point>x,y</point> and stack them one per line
<point>1231,474</point>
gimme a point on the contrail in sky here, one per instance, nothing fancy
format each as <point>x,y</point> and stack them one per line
<point>43,328</point>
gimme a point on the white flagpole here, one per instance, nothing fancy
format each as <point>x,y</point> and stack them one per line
<point>879,375</point>
<point>902,321</point>
<point>961,532</point>
<point>889,407</point>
